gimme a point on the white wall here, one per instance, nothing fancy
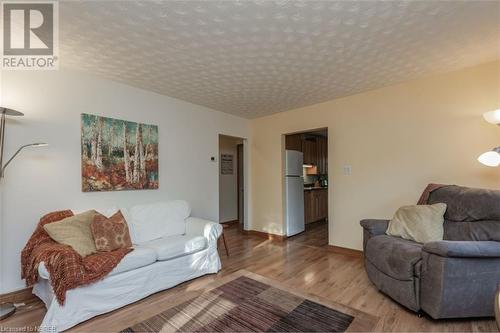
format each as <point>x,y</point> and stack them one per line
<point>228,184</point>
<point>47,179</point>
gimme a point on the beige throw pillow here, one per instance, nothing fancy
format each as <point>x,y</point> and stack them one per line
<point>75,231</point>
<point>421,223</point>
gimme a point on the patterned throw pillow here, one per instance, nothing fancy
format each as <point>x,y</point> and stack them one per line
<point>110,233</point>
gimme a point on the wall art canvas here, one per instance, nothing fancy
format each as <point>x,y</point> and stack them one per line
<point>118,155</point>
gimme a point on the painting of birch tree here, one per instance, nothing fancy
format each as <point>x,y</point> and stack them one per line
<point>118,155</point>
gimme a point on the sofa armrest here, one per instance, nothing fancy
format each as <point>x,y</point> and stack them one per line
<point>464,249</point>
<point>42,271</point>
<point>372,228</point>
<point>375,227</point>
<point>196,226</point>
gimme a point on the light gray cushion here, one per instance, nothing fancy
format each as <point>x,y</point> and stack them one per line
<point>139,257</point>
<point>176,246</point>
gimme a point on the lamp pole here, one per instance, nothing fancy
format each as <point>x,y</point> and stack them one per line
<point>2,136</point>
<point>7,309</point>
<point>5,112</point>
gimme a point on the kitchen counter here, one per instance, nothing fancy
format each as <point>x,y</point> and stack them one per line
<point>315,188</point>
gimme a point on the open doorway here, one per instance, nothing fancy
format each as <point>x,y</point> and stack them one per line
<point>306,187</point>
<point>231,181</point>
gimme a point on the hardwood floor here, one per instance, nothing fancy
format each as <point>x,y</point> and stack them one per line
<point>297,263</point>
<point>316,234</point>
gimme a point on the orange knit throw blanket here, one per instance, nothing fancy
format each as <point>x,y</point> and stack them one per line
<point>67,268</point>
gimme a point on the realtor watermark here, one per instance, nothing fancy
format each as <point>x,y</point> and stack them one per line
<point>30,35</point>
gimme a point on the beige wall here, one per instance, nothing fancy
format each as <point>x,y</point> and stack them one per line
<point>397,139</point>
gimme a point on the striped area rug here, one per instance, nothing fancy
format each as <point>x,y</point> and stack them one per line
<point>247,305</point>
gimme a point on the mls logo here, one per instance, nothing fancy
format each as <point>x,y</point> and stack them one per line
<point>30,35</point>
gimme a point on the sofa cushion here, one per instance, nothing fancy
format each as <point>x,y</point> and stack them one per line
<point>394,256</point>
<point>472,231</point>
<point>139,257</point>
<point>176,246</point>
<point>467,204</point>
<point>472,215</point>
<point>156,220</point>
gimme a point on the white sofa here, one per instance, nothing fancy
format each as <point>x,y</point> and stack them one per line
<point>170,247</point>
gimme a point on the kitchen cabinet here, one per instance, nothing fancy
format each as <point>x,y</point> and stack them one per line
<point>322,155</point>
<point>309,207</point>
<point>314,148</point>
<point>315,205</point>
<point>310,150</point>
<point>293,142</point>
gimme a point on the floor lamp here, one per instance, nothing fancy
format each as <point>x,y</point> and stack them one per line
<point>491,158</point>
<point>7,309</point>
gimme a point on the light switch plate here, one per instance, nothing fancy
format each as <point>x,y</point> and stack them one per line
<point>347,170</point>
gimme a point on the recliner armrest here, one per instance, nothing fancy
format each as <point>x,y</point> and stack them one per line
<point>375,227</point>
<point>464,249</point>
<point>196,226</point>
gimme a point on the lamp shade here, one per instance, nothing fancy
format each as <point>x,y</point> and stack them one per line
<point>492,116</point>
<point>490,158</point>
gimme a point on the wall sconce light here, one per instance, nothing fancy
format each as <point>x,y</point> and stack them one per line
<point>492,117</point>
<point>491,158</point>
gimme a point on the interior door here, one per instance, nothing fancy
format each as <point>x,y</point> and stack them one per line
<point>241,187</point>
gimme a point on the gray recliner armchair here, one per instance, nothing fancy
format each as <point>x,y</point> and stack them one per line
<point>453,278</point>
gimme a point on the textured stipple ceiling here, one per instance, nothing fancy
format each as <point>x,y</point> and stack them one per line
<point>254,58</point>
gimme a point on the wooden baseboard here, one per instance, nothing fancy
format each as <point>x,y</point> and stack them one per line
<point>345,251</point>
<point>273,237</point>
<point>17,296</point>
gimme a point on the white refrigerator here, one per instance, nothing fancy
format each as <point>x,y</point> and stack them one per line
<point>294,193</point>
